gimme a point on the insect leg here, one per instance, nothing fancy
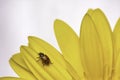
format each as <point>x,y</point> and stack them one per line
<point>37,60</point>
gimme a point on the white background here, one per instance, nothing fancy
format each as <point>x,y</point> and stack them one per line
<point>21,18</point>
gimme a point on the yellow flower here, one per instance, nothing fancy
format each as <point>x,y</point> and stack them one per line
<point>92,56</point>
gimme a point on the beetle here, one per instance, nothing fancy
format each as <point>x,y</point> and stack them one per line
<point>44,58</point>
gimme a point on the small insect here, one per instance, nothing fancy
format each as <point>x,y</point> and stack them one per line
<point>44,58</point>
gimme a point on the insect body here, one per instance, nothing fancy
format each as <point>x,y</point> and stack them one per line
<point>44,58</point>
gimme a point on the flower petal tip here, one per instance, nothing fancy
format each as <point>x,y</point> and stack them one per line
<point>98,9</point>
<point>30,37</point>
<point>33,37</point>
<point>57,20</point>
<point>22,47</point>
<point>56,23</point>
<point>12,57</point>
<point>60,25</point>
<point>10,60</point>
<point>90,10</point>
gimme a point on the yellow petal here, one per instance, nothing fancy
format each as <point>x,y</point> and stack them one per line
<point>69,44</point>
<point>36,44</point>
<point>72,72</point>
<point>116,41</point>
<point>41,46</point>
<point>11,78</point>
<point>116,71</point>
<point>105,34</point>
<point>116,57</point>
<point>31,62</point>
<point>51,72</point>
<point>91,52</point>
<point>90,11</point>
<point>19,66</point>
<point>17,58</point>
